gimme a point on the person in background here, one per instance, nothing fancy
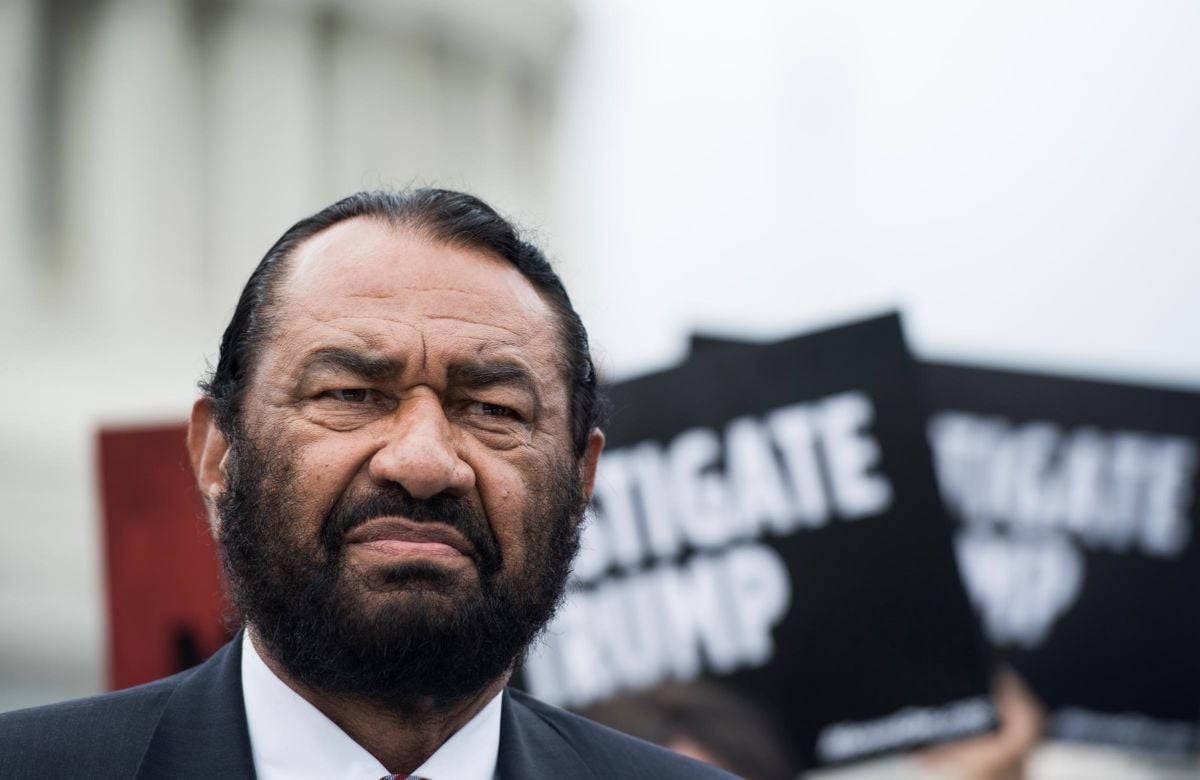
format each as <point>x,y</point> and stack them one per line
<point>705,721</point>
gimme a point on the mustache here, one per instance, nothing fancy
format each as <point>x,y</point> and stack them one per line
<point>394,501</point>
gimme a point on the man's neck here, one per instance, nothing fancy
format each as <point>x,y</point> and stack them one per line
<point>401,742</point>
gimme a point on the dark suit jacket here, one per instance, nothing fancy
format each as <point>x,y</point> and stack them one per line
<point>193,725</point>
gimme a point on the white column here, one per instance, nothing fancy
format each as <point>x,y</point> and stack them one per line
<point>131,218</point>
<point>19,36</point>
<point>385,129</point>
<point>264,139</point>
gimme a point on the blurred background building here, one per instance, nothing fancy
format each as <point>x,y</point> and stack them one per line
<point>153,150</point>
<point>1021,178</point>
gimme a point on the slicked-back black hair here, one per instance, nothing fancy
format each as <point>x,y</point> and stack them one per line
<point>453,218</point>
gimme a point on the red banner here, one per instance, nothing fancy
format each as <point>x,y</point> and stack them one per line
<point>165,605</point>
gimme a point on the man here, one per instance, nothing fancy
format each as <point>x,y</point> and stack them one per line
<point>396,448</point>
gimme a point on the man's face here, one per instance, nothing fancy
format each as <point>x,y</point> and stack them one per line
<point>402,501</point>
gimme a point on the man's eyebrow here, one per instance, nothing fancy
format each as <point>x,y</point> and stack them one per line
<point>366,366</point>
<point>485,374</point>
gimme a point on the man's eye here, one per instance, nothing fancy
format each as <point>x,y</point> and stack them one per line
<point>493,410</point>
<point>354,395</point>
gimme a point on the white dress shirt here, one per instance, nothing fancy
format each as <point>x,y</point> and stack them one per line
<point>293,740</point>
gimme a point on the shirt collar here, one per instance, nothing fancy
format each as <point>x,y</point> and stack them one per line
<point>291,739</point>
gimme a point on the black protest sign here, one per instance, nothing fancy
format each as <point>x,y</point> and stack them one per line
<point>1076,506</point>
<point>768,518</point>
<point>1078,516</point>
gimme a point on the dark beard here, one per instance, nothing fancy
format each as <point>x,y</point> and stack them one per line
<point>442,640</point>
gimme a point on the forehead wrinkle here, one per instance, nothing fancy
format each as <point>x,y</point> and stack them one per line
<point>437,288</point>
<point>329,318</point>
<point>382,341</point>
<point>438,317</point>
<point>375,341</point>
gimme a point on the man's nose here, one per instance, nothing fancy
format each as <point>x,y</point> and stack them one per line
<point>420,452</point>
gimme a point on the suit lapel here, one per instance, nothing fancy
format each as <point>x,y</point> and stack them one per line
<point>202,732</point>
<point>531,747</point>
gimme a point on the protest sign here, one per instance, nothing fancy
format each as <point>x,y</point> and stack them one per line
<point>1076,508</point>
<point>1076,504</point>
<point>164,595</point>
<point>768,518</point>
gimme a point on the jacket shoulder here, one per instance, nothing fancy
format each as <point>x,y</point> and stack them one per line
<point>609,753</point>
<point>109,733</point>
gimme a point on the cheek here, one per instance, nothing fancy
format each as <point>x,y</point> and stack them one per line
<point>507,504</point>
<point>517,499</point>
<point>327,472</point>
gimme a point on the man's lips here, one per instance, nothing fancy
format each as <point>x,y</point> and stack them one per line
<point>399,537</point>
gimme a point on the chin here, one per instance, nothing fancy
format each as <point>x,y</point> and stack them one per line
<point>409,584</point>
<point>425,575</point>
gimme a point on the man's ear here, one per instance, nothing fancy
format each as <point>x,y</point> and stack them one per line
<point>210,453</point>
<point>591,457</point>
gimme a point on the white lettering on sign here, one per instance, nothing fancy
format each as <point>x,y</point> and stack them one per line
<point>640,609</point>
<point>851,455</point>
<point>1116,491</point>
<point>1020,587</point>
<point>1029,493</point>
<point>909,727</point>
<point>1126,728</point>
<point>715,612</point>
<point>794,468</point>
